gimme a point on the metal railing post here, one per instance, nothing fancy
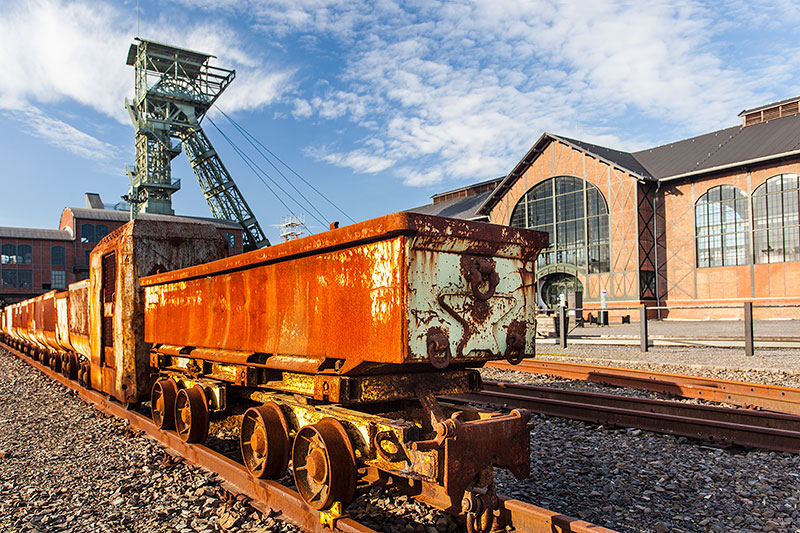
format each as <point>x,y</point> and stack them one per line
<point>562,326</point>
<point>643,327</point>
<point>748,328</point>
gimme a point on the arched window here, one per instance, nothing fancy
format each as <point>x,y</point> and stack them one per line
<point>776,237</point>
<point>575,215</point>
<point>721,227</point>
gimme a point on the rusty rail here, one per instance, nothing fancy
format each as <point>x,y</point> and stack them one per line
<point>750,395</point>
<point>266,494</point>
<point>718,425</point>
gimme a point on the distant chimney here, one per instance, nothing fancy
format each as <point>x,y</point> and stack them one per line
<point>93,201</point>
<point>784,108</point>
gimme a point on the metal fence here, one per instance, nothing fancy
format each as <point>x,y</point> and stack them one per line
<point>745,329</point>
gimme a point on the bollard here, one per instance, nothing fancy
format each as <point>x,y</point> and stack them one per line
<point>748,328</point>
<point>562,326</point>
<point>643,327</point>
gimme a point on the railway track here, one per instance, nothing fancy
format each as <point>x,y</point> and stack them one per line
<point>717,425</point>
<point>749,395</point>
<point>267,495</point>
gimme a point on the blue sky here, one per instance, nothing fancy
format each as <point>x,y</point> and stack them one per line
<point>379,104</point>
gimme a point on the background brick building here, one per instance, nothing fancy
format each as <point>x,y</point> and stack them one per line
<point>708,220</point>
<point>34,261</point>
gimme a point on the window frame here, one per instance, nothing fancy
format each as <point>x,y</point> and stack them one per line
<point>768,226</point>
<point>582,237</point>
<point>720,226</point>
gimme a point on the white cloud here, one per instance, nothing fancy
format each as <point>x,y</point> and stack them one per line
<point>358,160</point>
<point>60,134</point>
<point>57,51</point>
<point>460,90</point>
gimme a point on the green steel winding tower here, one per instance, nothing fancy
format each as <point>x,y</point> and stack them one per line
<point>174,89</point>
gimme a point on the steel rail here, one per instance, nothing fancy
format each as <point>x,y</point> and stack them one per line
<point>266,494</point>
<point>718,425</point>
<point>269,495</point>
<point>750,395</point>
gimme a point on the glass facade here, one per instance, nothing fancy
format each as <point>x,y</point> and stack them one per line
<point>722,227</point>
<point>574,213</point>
<point>776,228</point>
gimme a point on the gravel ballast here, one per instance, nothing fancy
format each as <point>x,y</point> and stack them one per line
<point>633,480</point>
<point>66,467</point>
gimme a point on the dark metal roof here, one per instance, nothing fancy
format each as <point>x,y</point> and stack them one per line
<point>124,216</point>
<point>465,207</point>
<point>723,149</point>
<point>624,160</point>
<point>467,187</point>
<point>33,233</point>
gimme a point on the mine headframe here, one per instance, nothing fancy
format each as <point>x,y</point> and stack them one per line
<point>174,90</point>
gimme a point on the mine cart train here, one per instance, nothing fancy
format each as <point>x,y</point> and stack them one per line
<point>334,347</point>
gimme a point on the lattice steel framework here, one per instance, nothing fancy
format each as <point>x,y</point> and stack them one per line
<point>174,89</point>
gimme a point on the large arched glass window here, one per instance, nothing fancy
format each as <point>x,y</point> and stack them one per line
<point>575,215</point>
<point>776,237</point>
<point>721,227</point>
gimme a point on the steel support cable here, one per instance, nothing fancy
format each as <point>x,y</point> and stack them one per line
<point>249,138</point>
<point>253,166</point>
<point>247,134</point>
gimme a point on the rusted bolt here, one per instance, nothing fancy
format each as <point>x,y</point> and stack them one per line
<point>515,342</point>
<point>482,270</point>
<point>438,344</point>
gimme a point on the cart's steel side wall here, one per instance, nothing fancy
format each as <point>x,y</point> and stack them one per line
<point>313,306</point>
<point>365,293</point>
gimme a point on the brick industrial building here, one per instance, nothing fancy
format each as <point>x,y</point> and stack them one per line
<point>34,261</point>
<point>711,220</point>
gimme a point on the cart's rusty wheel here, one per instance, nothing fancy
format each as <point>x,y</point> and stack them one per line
<point>162,403</point>
<point>264,438</point>
<point>191,414</point>
<point>73,366</point>
<point>83,375</point>
<point>55,362</point>
<point>324,464</point>
<point>65,364</point>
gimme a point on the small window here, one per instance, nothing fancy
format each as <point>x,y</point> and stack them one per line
<point>58,255</point>
<point>231,238</point>
<point>87,233</point>
<point>9,279</point>
<point>25,254</point>
<point>58,279</point>
<point>25,279</point>
<point>100,232</point>
<point>8,253</point>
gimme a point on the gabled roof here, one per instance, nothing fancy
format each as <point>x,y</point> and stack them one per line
<point>719,150</point>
